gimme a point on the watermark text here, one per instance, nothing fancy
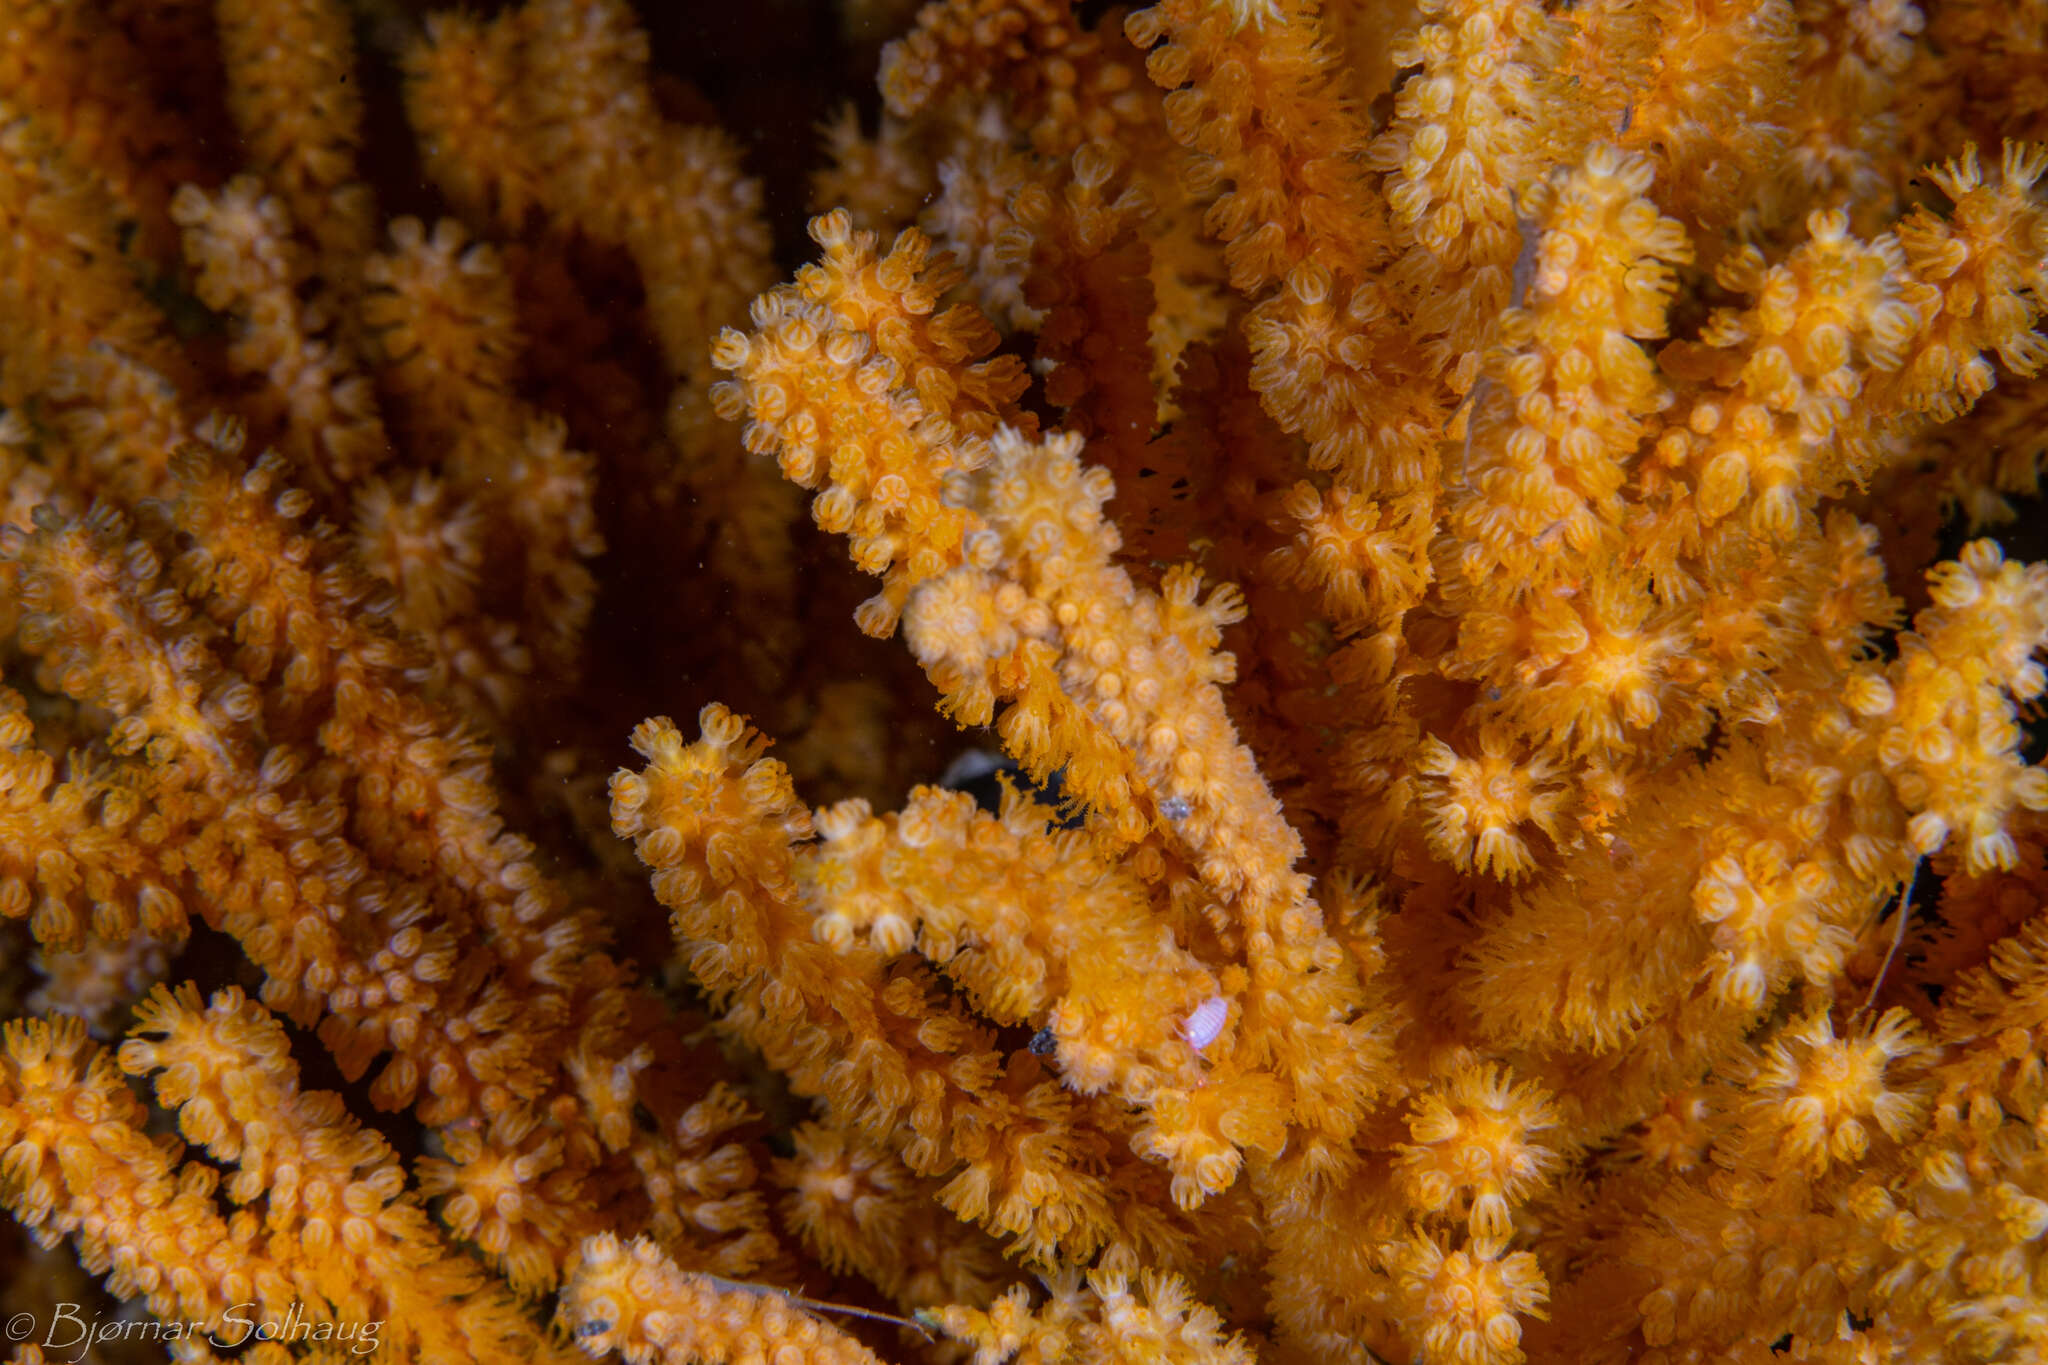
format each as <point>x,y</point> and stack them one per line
<point>68,1330</point>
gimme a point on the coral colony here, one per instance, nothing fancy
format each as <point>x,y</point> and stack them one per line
<point>1458,538</point>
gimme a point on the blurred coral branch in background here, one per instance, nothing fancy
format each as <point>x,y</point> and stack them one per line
<point>1519,829</point>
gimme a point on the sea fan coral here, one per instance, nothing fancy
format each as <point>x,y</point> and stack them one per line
<point>1502,816</point>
